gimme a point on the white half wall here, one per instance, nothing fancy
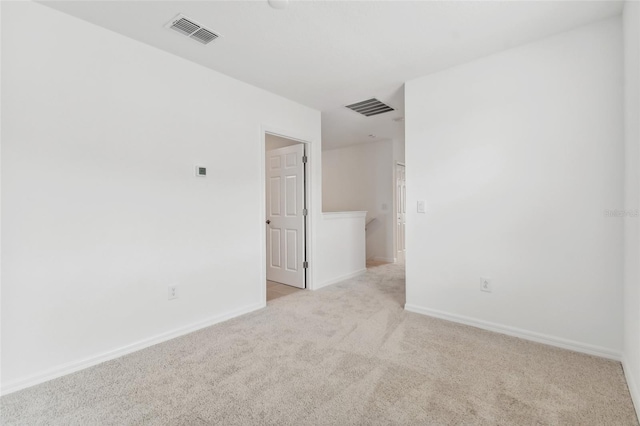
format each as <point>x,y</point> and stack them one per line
<point>360,177</point>
<point>342,247</point>
<point>102,210</point>
<point>518,155</point>
<point>631,354</point>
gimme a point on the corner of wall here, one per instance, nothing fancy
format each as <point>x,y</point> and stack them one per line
<point>634,387</point>
<point>631,351</point>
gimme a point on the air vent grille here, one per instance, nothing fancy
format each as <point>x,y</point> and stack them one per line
<point>370,107</point>
<point>185,26</point>
<point>204,36</point>
<point>190,28</point>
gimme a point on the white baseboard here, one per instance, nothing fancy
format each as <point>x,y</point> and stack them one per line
<point>632,384</point>
<point>518,332</point>
<point>341,278</point>
<point>72,367</point>
<point>383,259</point>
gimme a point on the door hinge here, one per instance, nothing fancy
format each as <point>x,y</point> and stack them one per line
<point>304,159</point>
<point>305,264</point>
<point>305,212</point>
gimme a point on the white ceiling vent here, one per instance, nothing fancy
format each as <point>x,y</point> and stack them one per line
<point>192,29</point>
<point>370,107</point>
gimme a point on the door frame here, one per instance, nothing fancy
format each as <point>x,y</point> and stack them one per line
<point>310,168</point>
<point>395,209</point>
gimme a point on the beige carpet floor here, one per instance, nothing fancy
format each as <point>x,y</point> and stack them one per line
<point>345,355</point>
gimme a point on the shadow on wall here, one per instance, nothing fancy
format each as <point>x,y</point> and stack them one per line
<point>376,235</point>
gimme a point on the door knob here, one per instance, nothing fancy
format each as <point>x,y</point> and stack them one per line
<point>268,221</point>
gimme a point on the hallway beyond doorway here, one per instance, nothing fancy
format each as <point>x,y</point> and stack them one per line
<point>276,290</point>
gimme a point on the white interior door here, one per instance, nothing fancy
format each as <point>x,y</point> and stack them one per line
<point>285,219</point>
<point>401,212</point>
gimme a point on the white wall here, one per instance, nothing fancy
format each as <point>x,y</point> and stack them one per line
<point>398,150</point>
<point>101,208</point>
<point>360,177</point>
<point>631,24</point>
<point>518,155</point>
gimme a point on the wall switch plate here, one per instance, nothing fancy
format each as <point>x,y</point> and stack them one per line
<point>201,171</point>
<point>173,292</point>
<point>485,284</point>
<point>421,208</point>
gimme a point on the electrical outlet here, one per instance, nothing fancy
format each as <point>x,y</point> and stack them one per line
<point>173,292</point>
<point>485,285</point>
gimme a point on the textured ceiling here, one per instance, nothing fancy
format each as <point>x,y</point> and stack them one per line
<point>330,54</point>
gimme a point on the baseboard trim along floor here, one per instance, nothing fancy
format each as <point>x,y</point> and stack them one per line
<point>634,390</point>
<point>354,354</point>
<point>75,366</point>
<point>518,332</point>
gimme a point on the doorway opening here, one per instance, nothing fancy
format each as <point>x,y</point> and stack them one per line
<point>286,211</point>
<point>401,212</point>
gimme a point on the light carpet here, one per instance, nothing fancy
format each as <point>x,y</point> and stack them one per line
<point>344,355</point>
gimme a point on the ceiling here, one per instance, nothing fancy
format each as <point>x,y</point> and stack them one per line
<point>327,54</point>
